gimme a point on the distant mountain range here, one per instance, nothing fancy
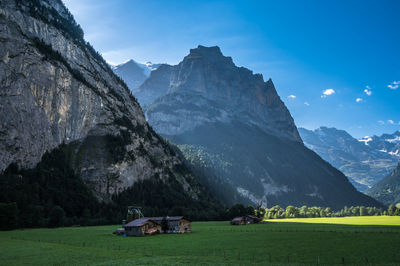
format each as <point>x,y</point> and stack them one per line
<point>386,143</point>
<point>232,125</point>
<point>365,161</point>
<point>135,73</point>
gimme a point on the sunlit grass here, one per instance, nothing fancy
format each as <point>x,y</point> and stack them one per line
<point>355,220</point>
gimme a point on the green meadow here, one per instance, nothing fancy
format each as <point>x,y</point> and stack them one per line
<point>350,240</point>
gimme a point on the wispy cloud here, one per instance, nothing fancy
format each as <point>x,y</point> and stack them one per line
<point>381,122</point>
<point>306,104</point>
<point>390,121</point>
<point>327,93</point>
<point>359,100</point>
<point>368,90</point>
<point>291,96</point>
<point>394,85</point>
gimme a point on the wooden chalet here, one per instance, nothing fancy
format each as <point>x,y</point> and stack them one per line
<point>142,226</point>
<point>253,219</point>
<point>244,220</point>
<point>176,224</point>
<point>238,221</point>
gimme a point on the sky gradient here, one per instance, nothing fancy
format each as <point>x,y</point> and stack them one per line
<point>334,63</point>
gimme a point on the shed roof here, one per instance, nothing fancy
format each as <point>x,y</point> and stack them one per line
<point>237,219</point>
<point>139,222</point>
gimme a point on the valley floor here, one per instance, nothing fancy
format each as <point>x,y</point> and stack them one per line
<point>285,241</point>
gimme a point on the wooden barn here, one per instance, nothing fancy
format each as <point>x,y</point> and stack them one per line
<point>243,220</point>
<point>238,221</point>
<point>253,219</point>
<point>176,224</point>
<point>142,226</point>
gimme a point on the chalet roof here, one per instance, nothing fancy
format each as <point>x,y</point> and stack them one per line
<point>237,219</point>
<point>139,222</point>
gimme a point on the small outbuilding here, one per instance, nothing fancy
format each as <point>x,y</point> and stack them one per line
<point>238,221</point>
<point>243,220</point>
<point>142,226</point>
<point>251,219</point>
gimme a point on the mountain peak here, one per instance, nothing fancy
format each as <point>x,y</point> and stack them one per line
<point>204,49</point>
<point>211,53</point>
<point>238,93</point>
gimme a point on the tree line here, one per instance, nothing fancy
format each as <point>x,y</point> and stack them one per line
<point>53,195</point>
<point>277,212</point>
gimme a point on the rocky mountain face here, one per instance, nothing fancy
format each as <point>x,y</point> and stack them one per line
<point>207,78</point>
<point>134,73</point>
<point>388,189</point>
<point>364,161</point>
<point>232,125</point>
<point>55,88</point>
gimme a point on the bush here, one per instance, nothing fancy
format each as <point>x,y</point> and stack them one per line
<point>56,217</point>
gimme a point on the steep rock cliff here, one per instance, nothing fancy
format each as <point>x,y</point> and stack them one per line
<point>233,92</point>
<point>55,88</point>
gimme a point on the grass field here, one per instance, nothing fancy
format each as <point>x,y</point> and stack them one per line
<point>377,241</point>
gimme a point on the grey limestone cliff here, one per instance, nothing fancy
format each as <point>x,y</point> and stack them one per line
<point>55,88</point>
<point>230,92</point>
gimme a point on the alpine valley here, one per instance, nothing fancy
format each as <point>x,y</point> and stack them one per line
<point>75,142</point>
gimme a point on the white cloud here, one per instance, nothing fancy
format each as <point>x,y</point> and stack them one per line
<point>368,90</point>
<point>327,92</point>
<point>291,96</point>
<point>306,104</point>
<point>359,100</point>
<point>381,122</point>
<point>394,85</point>
<point>390,121</point>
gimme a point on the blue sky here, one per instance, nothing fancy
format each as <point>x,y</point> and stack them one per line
<point>347,49</point>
